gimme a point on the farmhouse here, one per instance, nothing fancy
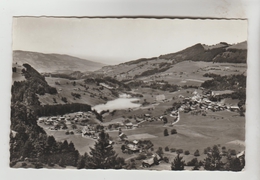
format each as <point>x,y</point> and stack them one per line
<point>122,136</point>
<point>129,125</point>
<point>234,108</point>
<point>151,161</point>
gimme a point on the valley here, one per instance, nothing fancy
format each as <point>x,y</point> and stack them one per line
<point>168,105</point>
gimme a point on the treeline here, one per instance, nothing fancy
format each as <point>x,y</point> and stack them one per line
<point>61,109</point>
<point>59,75</point>
<point>164,87</point>
<point>153,71</point>
<point>109,81</point>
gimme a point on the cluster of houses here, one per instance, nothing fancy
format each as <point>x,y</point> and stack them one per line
<point>89,131</point>
<point>66,119</point>
<point>201,103</point>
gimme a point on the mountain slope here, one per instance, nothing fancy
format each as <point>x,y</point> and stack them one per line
<point>222,52</point>
<point>54,62</point>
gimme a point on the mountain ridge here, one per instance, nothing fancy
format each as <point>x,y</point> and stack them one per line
<point>219,53</point>
<point>53,62</point>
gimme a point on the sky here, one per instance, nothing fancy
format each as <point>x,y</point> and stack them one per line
<point>113,41</point>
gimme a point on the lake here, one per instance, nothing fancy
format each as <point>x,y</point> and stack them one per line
<point>119,103</point>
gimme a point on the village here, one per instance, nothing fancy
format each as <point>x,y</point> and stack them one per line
<point>86,124</point>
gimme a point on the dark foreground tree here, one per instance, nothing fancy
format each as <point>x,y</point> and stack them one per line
<point>102,156</point>
<point>178,163</point>
<point>213,160</point>
<point>165,132</point>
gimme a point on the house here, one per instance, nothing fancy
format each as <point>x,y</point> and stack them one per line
<point>149,162</point>
<point>62,118</point>
<point>147,115</point>
<point>234,108</point>
<point>133,147</point>
<point>136,125</point>
<point>54,118</point>
<point>129,125</point>
<point>122,136</point>
<point>135,142</point>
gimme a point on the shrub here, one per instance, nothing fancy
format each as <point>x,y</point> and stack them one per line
<point>187,152</point>
<point>197,153</point>
<point>166,148</point>
<point>173,131</point>
<point>173,149</point>
<point>179,151</point>
<point>67,132</point>
<point>71,132</point>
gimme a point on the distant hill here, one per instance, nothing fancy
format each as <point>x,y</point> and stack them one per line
<point>54,62</point>
<point>221,52</point>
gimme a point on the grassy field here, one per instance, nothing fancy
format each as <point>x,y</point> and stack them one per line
<point>194,132</point>
<point>191,73</point>
<point>82,144</point>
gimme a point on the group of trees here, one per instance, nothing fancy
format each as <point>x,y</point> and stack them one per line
<point>213,162</point>
<point>237,83</point>
<point>61,109</point>
<point>166,133</point>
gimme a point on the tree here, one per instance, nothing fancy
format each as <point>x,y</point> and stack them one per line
<point>235,164</point>
<point>213,160</point>
<point>74,126</point>
<point>82,161</point>
<point>102,156</point>
<point>165,120</point>
<point>178,163</point>
<point>197,153</point>
<point>160,152</point>
<point>166,132</point>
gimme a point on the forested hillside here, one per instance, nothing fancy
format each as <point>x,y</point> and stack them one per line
<point>27,140</point>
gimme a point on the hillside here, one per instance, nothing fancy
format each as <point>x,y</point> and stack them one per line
<point>54,62</point>
<point>220,53</point>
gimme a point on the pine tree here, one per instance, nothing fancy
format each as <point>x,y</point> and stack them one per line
<point>102,156</point>
<point>213,160</point>
<point>178,163</point>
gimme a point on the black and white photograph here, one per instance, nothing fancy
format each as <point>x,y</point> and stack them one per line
<point>128,93</point>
